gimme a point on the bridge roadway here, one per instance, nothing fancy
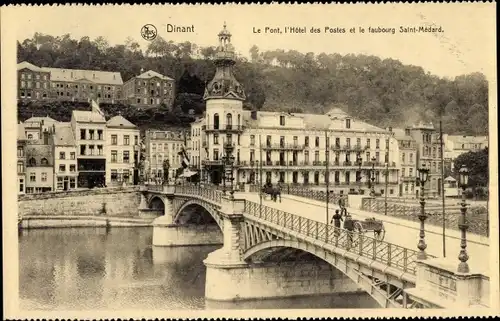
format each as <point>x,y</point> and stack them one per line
<point>398,231</point>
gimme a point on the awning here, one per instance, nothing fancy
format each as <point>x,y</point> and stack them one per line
<point>188,173</point>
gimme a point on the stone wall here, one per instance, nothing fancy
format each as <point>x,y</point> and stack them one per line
<point>258,281</point>
<point>103,202</point>
<point>184,235</point>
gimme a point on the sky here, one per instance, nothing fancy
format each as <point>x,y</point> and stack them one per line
<point>467,43</point>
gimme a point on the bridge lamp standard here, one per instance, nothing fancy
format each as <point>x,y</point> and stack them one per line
<point>423,175</point>
<point>359,162</point>
<point>228,167</point>
<point>463,267</point>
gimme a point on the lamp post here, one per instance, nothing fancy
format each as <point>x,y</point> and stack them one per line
<point>372,189</point>
<point>463,267</point>
<point>423,174</point>
<point>228,167</point>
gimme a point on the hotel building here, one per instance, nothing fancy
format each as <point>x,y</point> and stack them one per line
<point>33,82</point>
<point>285,147</point>
<point>122,153</point>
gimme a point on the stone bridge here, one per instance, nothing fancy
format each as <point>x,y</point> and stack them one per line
<point>260,242</point>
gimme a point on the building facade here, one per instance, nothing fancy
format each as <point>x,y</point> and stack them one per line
<point>456,145</point>
<point>21,160</point>
<point>428,144</point>
<point>65,161</point>
<point>45,83</point>
<point>150,89</point>
<point>33,82</point>
<point>40,164</point>
<point>289,148</point>
<point>408,163</point>
<point>123,152</point>
<point>89,129</point>
<point>161,146</point>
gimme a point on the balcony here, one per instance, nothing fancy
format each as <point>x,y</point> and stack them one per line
<point>282,147</point>
<point>223,128</point>
<point>409,178</point>
<point>216,162</point>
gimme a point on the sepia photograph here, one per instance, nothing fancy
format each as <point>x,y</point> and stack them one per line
<point>250,160</point>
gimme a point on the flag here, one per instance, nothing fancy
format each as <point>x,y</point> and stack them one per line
<point>185,159</point>
<point>96,109</point>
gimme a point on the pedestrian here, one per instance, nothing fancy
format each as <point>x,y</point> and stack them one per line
<point>336,219</point>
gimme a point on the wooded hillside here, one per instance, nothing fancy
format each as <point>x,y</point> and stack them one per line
<point>382,92</point>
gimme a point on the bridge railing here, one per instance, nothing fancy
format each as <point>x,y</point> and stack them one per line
<point>154,188</point>
<point>214,195</point>
<point>358,243</point>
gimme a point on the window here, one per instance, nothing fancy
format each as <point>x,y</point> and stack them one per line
<point>83,149</point>
<point>252,140</point>
<point>377,143</point>
<point>126,140</point>
<point>347,177</point>
<point>20,152</point>
<point>99,134</point>
<point>368,142</point>
<point>44,161</point>
<point>229,119</point>
<point>358,142</point>
<point>99,150</point>
<point>114,140</point>
<point>126,175</point>
<point>82,134</point>
<point>403,172</point>
<point>252,155</point>
<point>268,141</point>
<point>91,134</point>
<point>216,121</point>
<point>403,158</point>
<point>114,175</point>
<point>136,140</point>
<point>126,156</point>
<point>316,142</point>
<point>20,167</point>
<point>44,177</point>
<point>216,139</point>
<point>282,120</point>
<point>62,155</point>
<point>295,140</point>
<point>72,155</point>
<point>306,141</point>
<point>72,182</point>
<point>216,154</point>
<point>62,168</point>
<point>32,177</point>
<point>21,185</point>
<point>316,156</point>
<point>348,142</point>
<point>72,168</point>
<point>114,156</point>
<point>347,123</point>
<point>377,157</point>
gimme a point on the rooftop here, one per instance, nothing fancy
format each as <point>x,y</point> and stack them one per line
<point>120,122</point>
<point>85,116</point>
<point>64,135</point>
<point>334,120</point>
<point>400,134</point>
<point>462,139</point>
<point>30,66</point>
<point>46,120</point>
<point>150,74</point>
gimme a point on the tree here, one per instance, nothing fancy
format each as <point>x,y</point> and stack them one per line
<point>477,164</point>
<point>254,53</point>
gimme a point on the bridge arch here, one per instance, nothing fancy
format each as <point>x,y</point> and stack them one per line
<point>187,214</point>
<point>156,203</point>
<point>376,288</point>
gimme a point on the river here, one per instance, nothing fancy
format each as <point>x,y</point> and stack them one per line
<point>91,268</point>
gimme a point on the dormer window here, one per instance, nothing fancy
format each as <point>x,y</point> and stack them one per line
<point>282,120</point>
<point>347,123</point>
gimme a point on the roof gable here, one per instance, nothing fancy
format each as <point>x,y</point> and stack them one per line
<point>120,122</point>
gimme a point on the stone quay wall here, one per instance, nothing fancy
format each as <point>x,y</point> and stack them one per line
<point>122,202</point>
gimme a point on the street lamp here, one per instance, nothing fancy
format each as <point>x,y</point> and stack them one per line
<point>423,174</point>
<point>372,190</point>
<point>463,267</point>
<point>229,161</point>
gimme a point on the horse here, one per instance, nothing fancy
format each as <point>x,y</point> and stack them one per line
<point>274,192</point>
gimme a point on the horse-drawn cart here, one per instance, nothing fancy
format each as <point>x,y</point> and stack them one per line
<point>369,225</point>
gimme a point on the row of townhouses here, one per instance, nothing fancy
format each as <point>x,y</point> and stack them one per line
<point>150,88</point>
<point>310,149</point>
<point>86,152</point>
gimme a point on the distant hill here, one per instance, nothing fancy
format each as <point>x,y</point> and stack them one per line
<point>382,92</point>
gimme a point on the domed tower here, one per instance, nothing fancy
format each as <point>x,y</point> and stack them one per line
<point>224,97</point>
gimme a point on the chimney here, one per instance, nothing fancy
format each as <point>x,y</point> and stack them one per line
<point>253,114</point>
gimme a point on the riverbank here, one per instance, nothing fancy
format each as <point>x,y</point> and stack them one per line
<point>66,221</point>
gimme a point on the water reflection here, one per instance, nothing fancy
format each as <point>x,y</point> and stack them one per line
<point>89,268</point>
